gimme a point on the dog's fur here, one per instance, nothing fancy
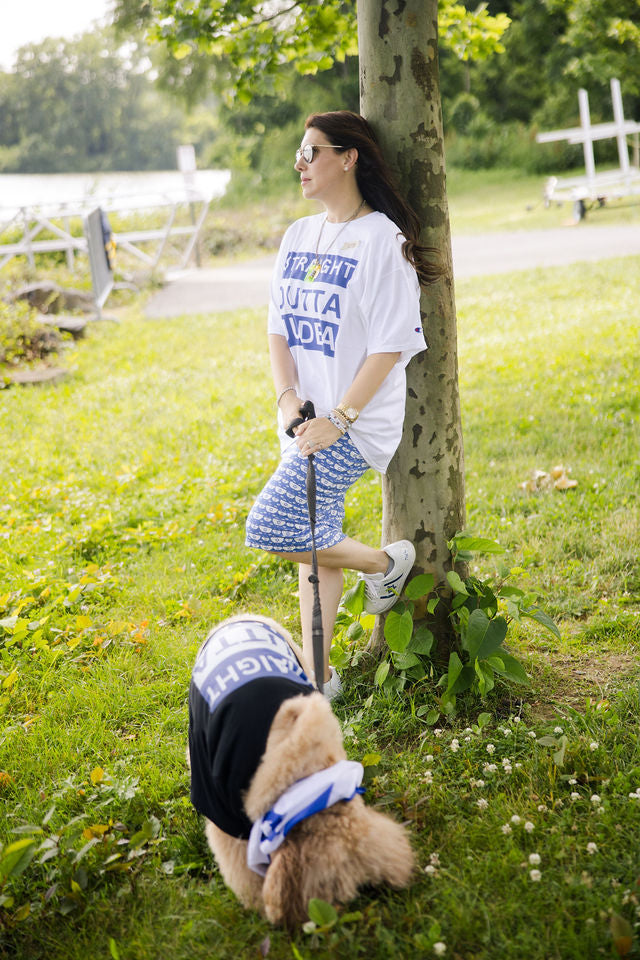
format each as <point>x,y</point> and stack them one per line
<point>329,855</point>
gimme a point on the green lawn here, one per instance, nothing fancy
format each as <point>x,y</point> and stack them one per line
<point>125,490</point>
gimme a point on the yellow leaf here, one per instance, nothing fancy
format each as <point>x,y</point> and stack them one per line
<point>83,622</point>
<point>95,830</point>
<point>22,912</point>
<point>73,643</point>
<point>97,775</point>
<point>4,599</point>
<point>181,51</point>
<point>10,680</point>
<point>75,887</point>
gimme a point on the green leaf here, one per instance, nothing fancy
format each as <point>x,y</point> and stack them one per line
<point>421,641</point>
<point>454,670</point>
<point>456,583</point>
<point>474,545</point>
<point>432,715</point>
<point>113,949</point>
<point>535,613</point>
<point>371,759</point>
<point>484,673</point>
<point>403,661</point>
<point>398,630</point>
<point>353,599</point>
<point>420,586</point>
<point>512,669</point>
<point>17,856</point>
<point>484,636</point>
<point>382,672</point>
<point>322,913</point>
<point>558,757</point>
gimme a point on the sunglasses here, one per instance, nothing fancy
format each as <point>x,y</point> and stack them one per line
<point>308,152</point>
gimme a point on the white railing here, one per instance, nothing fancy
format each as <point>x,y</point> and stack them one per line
<point>56,219</point>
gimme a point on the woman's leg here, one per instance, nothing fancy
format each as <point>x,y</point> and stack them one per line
<point>347,555</point>
<point>330,587</point>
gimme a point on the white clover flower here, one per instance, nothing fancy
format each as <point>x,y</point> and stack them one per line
<point>532,734</point>
<point>573,781</point>
<point>518,766</point>
<point>435,859</point>
<point>529,827</point>
<point>439,948</point>
<point>595,799</point>
<point>506,829</point>
<point>491,748</point>
<point>600,809</point>
<point>594,745</point>
<point>534,859</point>
<point>467,739</point>
<point>575,796</point>
<point>558,730</point>
<point>430,870</point>
<point>489,768</point>
<point>542,808</point>
<point>507,768</point>
<point>482,803</point>
<point>455,745</point>
<point>592,848</point>
<point>467,730</point>
<point>515,819</point>
<point>428,777</point>
<point>429,758</point>
<point>437,732</point>
<point>516,719</point>
<point>535,875</point>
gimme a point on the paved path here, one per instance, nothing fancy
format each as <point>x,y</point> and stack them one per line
<point>246,284</point>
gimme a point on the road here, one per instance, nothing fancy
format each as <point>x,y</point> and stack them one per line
<point>246,284</point>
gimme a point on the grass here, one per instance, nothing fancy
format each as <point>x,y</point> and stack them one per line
<point>121,542</point>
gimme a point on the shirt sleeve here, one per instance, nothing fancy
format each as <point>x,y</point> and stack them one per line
<point>391,308</point>
<point>275,323</point>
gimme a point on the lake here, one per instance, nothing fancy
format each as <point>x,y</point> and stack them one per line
<point>122,190</point>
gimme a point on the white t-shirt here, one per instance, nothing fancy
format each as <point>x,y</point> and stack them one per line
<point>366,299</point>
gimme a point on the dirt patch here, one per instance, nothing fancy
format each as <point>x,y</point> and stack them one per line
<point>570,678</point>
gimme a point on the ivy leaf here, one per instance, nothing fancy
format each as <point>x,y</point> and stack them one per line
<point>353,599</point>
<point>484,636</point>
<point>398,630</point>
<point>420,586</point>
<point>456,583</point>
<point>512,669</point>
<point>382,673</point>
<point>322,913</point>
<point>535,613</point>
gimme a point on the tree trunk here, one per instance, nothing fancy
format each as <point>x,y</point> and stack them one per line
<point>423,490</point>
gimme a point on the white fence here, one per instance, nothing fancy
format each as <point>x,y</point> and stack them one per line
<point>147,246</point>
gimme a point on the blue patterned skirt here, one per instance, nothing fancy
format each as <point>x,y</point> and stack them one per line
<point>279,519</point>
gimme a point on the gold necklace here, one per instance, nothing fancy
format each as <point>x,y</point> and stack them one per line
<point>319,259</point>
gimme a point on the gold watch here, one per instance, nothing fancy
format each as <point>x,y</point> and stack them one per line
<point>350,414</point>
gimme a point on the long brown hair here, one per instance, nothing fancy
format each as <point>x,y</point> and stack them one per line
<point>375,182</point>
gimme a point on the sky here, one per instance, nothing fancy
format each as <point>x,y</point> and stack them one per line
<point>30,21</point>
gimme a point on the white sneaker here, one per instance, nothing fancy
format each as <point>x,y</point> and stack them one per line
<point>332,688</point>
<point>383,589</point>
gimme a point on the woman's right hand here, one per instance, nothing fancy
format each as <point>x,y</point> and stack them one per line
<point>290,407</point>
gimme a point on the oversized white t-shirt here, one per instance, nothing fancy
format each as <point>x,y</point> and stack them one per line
<point>366,299</point>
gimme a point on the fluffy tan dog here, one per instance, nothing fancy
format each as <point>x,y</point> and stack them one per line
<point>330,854</point>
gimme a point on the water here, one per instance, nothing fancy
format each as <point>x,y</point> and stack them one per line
<point>116,190</point>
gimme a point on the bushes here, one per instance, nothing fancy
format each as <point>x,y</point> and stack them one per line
<point>22,337</point>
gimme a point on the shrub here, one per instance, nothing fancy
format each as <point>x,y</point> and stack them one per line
<point>22,337</point>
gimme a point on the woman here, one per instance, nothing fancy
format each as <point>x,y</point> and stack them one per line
<point>344,321</point>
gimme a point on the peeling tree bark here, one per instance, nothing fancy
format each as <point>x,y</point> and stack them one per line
<point>423,490</point>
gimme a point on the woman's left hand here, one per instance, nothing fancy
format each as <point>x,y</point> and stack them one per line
<point>317,434</point>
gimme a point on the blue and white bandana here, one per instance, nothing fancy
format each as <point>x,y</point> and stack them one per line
<point>306,797</point>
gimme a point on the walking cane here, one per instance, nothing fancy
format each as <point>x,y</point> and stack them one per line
<point>307,412</point>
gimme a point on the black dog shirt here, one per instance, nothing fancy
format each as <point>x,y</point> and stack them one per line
<point>243,673</point>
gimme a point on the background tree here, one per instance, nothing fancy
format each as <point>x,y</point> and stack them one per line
<point>83,105</point>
